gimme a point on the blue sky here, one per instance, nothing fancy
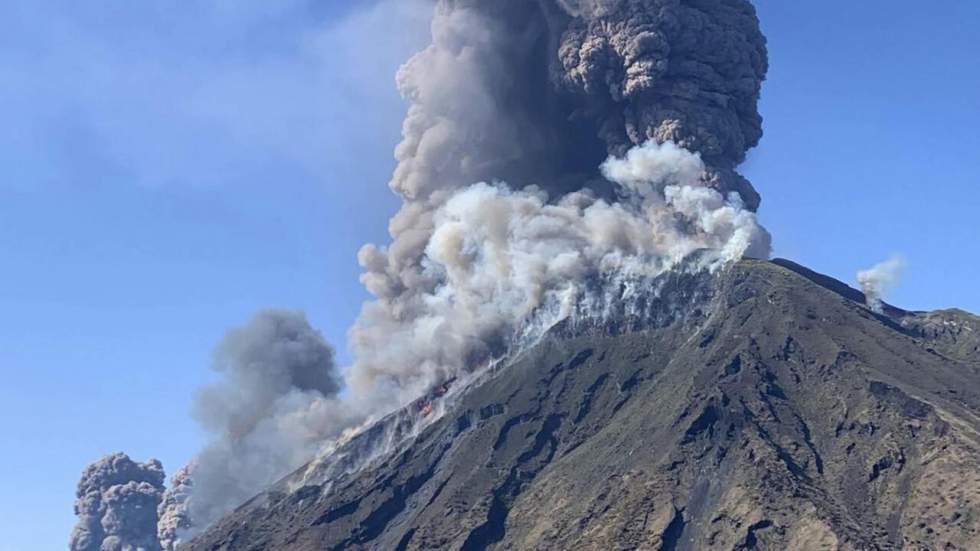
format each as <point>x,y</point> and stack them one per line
<point>169,171</point>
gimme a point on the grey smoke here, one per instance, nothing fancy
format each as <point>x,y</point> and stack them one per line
<point>275,354</point>
<point>116,504</point>
<point>877,280</point>
<point>275,405</point>
<point>499,259</point>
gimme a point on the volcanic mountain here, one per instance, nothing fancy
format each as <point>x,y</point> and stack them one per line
<point>762,406</point>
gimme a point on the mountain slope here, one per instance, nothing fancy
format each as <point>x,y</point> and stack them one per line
<point>761,408</point>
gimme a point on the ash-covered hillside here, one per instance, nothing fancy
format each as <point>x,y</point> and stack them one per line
<point>779,413</point>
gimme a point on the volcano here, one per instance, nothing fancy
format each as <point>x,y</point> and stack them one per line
<point>762,406</point>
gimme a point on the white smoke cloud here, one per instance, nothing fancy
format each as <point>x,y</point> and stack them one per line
<point>879,279</point>
<point>586,7</point>
<point>496,256</point>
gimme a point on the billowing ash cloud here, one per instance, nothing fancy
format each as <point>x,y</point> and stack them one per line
<point>535,92</point>
<point>538,94</point>
<point>879,279</point>
<point>271,411</point>
<point>116,504</point>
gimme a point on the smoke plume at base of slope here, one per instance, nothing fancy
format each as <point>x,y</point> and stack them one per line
<point>276,404</point>
<point>116,504</point>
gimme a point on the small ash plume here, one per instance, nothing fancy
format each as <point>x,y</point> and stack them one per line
<point>879,279</point>
<point>273,409</point>
<point>175,521</point>
<point>116,505</point>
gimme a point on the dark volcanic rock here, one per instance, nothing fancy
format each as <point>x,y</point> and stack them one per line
<point>783,415</point>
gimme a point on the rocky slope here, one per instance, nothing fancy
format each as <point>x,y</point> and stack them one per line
<point>764,408</point>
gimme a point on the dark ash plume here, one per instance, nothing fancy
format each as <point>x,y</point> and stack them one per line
<point>689,72</point>
<point>539,92</point>
<point>116,504</point>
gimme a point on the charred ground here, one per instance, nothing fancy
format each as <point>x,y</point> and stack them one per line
<point>779,413</point>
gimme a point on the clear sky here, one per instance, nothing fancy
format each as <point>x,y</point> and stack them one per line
<point>170,170</point>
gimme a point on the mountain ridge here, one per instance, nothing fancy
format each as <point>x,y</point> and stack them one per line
<point>778,413</point>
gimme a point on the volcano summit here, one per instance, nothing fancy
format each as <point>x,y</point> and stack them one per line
<point>768,408</point>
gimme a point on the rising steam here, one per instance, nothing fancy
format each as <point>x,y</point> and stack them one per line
<point>548,145</point>
<point>879,279</point>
